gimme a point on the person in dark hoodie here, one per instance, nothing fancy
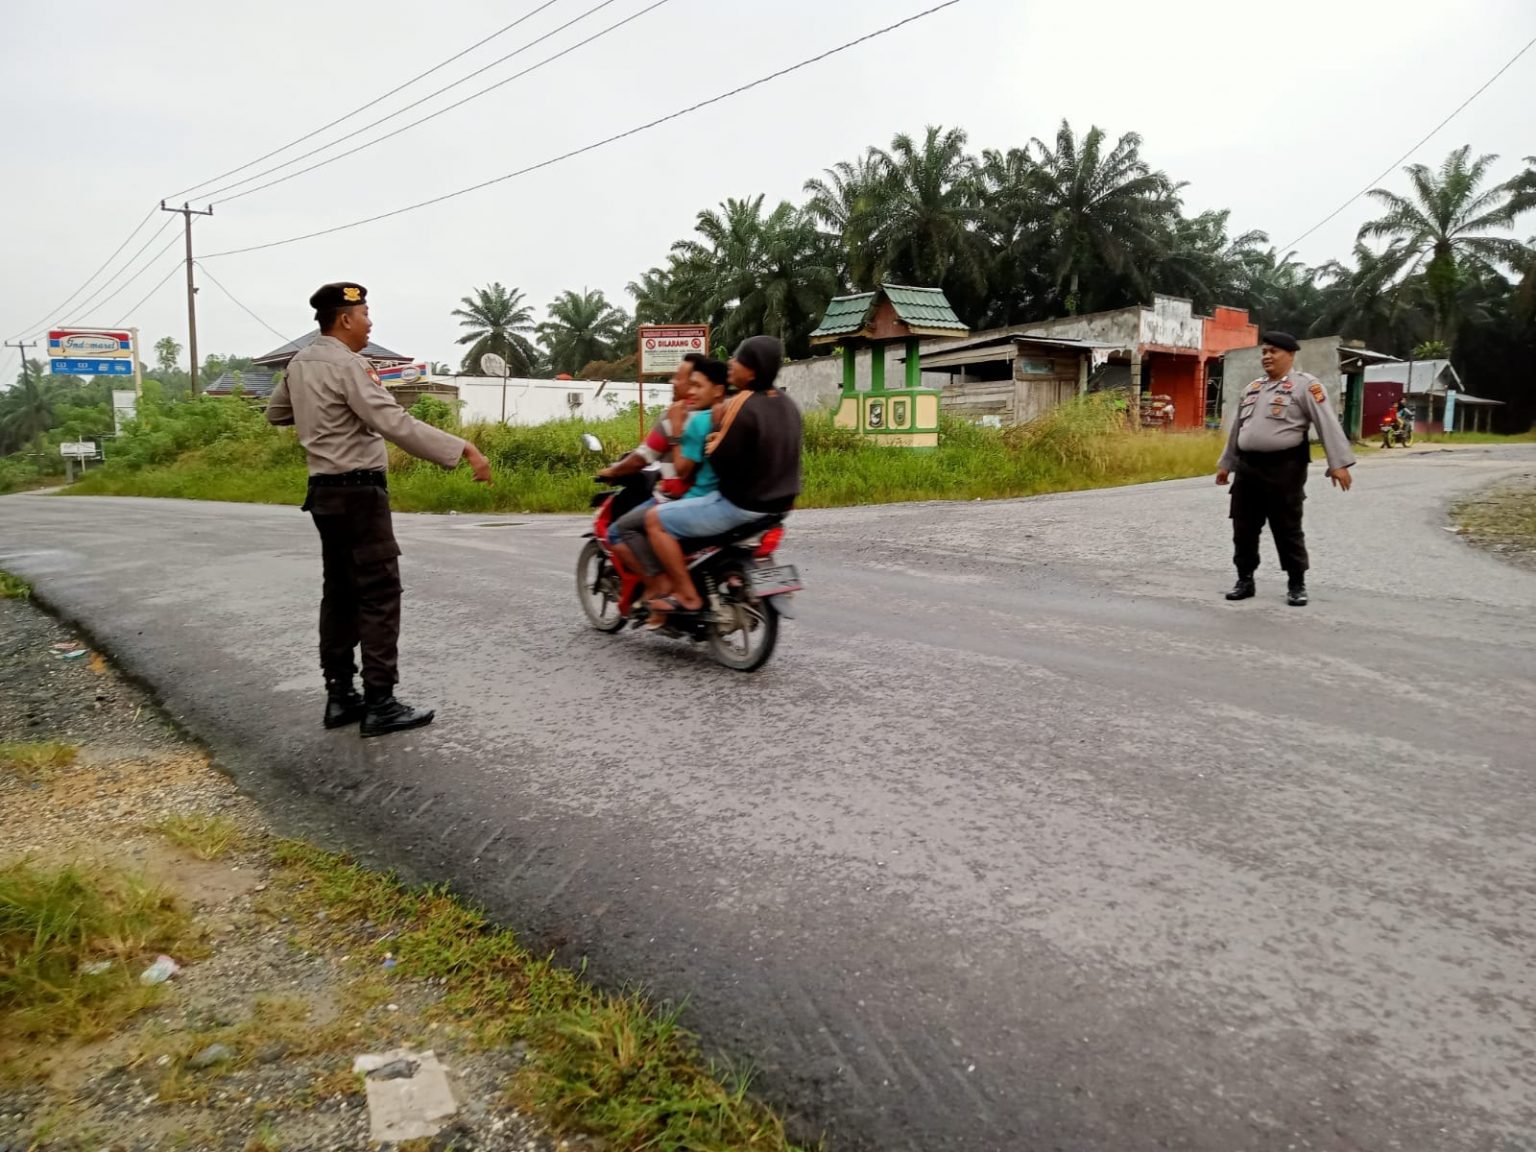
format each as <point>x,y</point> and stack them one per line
<point>755,454</point>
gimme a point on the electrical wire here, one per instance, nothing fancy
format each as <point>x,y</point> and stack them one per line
<point>806,63</point>
<point>95,299</point>
<point>1428,136</point>
<point>241,306</point>
<point>123,287</point>
<point>441,111</point>
<point>41,325</point>
<point>364,107</point>
<point>174,268</point>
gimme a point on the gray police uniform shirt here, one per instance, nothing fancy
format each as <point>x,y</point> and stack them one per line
<point>1273,415</point>
<point>344,414</point>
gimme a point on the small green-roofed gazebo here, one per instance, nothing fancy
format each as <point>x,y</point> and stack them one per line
<point>906,416</point>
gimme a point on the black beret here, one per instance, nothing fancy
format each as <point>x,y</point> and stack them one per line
<point>1282,340</point>
<point>341,295</point>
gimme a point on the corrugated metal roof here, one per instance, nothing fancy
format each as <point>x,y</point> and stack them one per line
<point>1420,377</point>
<point>923,307</point>
<point>252,382</point>
<point>845,315</point>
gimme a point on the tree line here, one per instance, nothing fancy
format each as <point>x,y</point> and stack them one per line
<point>1079,223</point>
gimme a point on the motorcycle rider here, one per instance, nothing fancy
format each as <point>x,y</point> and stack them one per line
<point>705,397</point>
<point>755,455</point>
<point>662,439</point>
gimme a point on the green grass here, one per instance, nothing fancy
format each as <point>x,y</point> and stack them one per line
<point>206,837</point>
<point>616,1067</point>
<point>1472,438</point>
<point>1084,444</point>
<point>56,921</point>
<point>13,587</point>
<point>36,760</point>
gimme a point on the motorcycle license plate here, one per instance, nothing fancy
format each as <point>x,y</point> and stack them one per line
<point>775,581</point>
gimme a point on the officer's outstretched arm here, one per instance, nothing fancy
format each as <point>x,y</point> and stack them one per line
<point>379,410</point>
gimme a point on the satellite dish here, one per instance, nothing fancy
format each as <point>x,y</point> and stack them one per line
<point>493,365</point>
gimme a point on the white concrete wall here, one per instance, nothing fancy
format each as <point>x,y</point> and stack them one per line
<point>1320,357</point>
<point>540,401</point>
<point>1171,323</point>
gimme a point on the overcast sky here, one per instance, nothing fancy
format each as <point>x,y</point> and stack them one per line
<point>1278,112</point>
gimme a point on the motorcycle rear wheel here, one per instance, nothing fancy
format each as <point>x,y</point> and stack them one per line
<point>597,587</point>
<point>747,646</point>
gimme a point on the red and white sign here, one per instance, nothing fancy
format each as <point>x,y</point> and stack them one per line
<point>402,374</point>
<point>89,344</point>
<point>663,346</point>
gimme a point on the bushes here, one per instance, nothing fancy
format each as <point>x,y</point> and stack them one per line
<point>223,449</point>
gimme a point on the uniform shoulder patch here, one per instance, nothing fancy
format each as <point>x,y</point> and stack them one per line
<point>374,376</point>
<point>1317,392</point>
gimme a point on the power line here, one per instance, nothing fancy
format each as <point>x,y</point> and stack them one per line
<point>1430,135</point>
<point>441,111</point>
<point>95,299</point>
<point>806,63</point>
<point>159,284</point>
<point>242,307</point>
<point>123,287</point>
<point>364,107</point>
<point>58,310</point>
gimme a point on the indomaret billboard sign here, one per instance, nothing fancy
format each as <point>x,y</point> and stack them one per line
<point>663,346</point>
<point>90,352</point>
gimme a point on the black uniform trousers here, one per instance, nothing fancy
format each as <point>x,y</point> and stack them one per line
<point>1270,487</point>
<point>360,602</point>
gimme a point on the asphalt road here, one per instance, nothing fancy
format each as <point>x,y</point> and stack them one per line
<point>1025,840</point>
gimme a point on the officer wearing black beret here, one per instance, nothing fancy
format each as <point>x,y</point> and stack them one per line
<point>344,416</point>
<point>1267,448</point>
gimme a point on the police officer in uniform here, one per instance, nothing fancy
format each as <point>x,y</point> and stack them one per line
<point>344,415</point>
<point>1267,450</point>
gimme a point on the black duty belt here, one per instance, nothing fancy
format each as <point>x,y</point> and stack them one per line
<point>359,479</point>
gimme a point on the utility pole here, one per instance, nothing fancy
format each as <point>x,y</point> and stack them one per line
<point>23,345</point>
<point>187,212</point>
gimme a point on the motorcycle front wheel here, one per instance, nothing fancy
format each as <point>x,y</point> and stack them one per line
<point>597,587</point>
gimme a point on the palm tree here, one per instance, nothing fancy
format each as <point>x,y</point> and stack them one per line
<point>27,408</point>
<point>1106,213</point>
<point>582,327</point>
<point>1446,229</point>
<point>1199,260</point>
<point>753,274</point>
<point>497,321</point>
<point>925,226</point>
<point>655,298</point>
<point>1363,301</point>
<point>849,203</point>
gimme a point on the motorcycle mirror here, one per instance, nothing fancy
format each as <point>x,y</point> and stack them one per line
<point>591,442</point>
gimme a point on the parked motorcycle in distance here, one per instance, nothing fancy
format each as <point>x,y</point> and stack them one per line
<point>744,589</point>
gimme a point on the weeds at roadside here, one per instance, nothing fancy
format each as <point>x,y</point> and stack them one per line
<point>205,837</point>
<point>13,587</point>
<point>36,761</point>
<point>72,943</point>
<point>617,1067</point>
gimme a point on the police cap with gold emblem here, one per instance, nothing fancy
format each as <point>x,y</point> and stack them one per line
<point>330,297</point>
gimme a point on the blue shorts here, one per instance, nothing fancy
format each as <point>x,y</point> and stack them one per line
<point>703,516</point>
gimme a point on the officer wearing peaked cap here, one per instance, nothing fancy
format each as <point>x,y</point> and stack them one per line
<point>344,415</point>
<point>1267,456</point>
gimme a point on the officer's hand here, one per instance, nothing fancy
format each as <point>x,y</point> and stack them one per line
<point>1223,476</point>
<point>478,464</point>
<point>1342,478</point>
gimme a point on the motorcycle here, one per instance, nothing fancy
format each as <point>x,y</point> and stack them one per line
<point>745,591</point>
<point>1396,432</point>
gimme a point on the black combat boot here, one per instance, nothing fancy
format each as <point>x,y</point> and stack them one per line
<point>343,706</point>
<point>386,714</point>
<point>1296,594</point>
<point>1244,588</point>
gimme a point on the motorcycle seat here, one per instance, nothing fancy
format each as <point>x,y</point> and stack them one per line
<point>745,532</point>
